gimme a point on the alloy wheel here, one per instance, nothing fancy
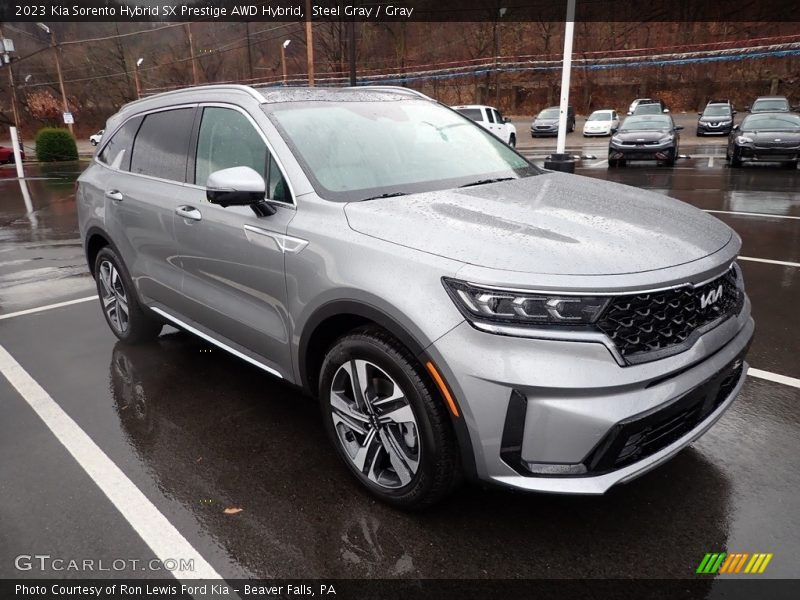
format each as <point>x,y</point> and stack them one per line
<point>114,296</point>
<point>375,424</point>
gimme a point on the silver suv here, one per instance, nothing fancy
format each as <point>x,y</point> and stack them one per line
<point>456,310</point>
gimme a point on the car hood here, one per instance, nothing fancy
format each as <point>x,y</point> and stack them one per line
<point>546,224</point>
<point>645,136</point>
<point>715,119</point>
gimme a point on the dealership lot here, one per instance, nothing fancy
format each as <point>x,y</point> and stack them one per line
<point>195,431</point>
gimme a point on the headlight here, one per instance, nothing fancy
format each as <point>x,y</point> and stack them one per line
<point>728,122</point>
<point>665,140</point>
<point>743,139</point>
<point>616,139</point>
<point>522,308</point>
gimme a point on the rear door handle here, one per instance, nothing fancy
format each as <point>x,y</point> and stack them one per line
<point>189,212</point>
<point>114,195</point>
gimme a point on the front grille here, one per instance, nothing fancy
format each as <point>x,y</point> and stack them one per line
<point>642,436</point>
<point>650,326</point>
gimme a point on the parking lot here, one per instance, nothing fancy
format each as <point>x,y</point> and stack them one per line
<point>197,431</point>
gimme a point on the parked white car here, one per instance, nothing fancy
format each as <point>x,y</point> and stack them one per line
<point>95,138</point>
<point>601,122</point>
<point>490,118</point>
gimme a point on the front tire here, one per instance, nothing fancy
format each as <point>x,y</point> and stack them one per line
<point>126,317</point>
<point>386,420</point>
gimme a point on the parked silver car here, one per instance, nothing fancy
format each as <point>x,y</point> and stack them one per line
<point>455,309</point>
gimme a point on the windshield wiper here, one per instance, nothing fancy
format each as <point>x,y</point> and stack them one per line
<point>387,195</point>
<point>484,181</point>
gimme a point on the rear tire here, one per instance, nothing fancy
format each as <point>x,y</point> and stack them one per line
<point>404,450</point>
<point>127,318</point>
<point>512,141</point>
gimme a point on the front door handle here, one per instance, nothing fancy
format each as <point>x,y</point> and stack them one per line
<point>189,212</point>
<point>114,195</point>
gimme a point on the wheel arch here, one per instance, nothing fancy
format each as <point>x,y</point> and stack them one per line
<point>95,240</point>
<point>334,319</point>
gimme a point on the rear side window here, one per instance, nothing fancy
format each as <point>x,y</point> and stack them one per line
<point>489,115</point>
<point>117,152</point>
<point>472,113</point>
<point>161,144</point>
<point>497,116</point>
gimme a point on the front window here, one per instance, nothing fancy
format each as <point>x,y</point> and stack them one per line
<point>645,124</point>
<point>549,113</point>
<point>648,109</point>
<point>363,149</point>
<point>720,110</point>
<point>786,122</point>
<point>767,105</point>
<point>600,116</point>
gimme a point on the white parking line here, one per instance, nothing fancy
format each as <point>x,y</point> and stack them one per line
<point>769,262</point>
<point>30,311</point>
<point>710,161</point>
<point>750,214</point>
<point>783,379</point>
<point>158,533</point>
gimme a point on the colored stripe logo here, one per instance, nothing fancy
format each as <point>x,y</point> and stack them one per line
<point>734,563</point>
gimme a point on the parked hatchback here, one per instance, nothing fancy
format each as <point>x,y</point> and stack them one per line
<point>546,122</point>
<point>455,309</point>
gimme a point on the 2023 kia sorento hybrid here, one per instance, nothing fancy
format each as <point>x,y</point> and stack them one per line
<point>455,309</point>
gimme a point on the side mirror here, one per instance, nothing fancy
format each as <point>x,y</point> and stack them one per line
<point>733,113</point>
<point>614,129</point>
<point>735,127</point>
<point>506,120</point>
<point>666,110</point>
<point>629,113</point>
<point>678,127</point>
<point>699,114</point>
<point>237,186</point>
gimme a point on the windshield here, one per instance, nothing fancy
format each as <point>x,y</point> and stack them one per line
<point>646,123</point>
<point>471,113</point>
<point>773,104</point>
<point>647,109</point>
<point>718,110</point>
<point>787,122</point>
<point>600,116</point>
<point>364,149</point>
<point>548,113</point>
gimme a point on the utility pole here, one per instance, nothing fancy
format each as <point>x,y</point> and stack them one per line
<point>249,51</point>
<point>283,61</point>
<point>136,78</point>
<point>57,52</point>
<point>309,45</point>
<point>188,27</point>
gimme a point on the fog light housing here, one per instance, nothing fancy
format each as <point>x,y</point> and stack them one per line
<point>555,468</point>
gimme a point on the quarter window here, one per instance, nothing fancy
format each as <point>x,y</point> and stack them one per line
<point>117,152</point>
<point>489,115</point>
<point>161,144</point>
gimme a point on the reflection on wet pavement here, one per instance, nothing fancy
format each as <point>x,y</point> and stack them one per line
<point>41,259</point>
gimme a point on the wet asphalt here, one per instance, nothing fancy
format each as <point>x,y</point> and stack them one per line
<point>198,431</point>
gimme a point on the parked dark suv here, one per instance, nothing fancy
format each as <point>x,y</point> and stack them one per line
<point>716,119</point>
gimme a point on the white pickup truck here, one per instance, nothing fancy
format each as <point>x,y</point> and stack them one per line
<point>490,118</point>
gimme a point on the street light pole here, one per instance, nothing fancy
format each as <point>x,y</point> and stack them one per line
<point>136,78</point>
<point>283,61</point>
<point>191,51</point>
<point>561,161</point>
<point>8,60</point>
<point>57,51</point>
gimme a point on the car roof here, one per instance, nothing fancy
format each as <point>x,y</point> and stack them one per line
<point>473,106</point>
<point>601,110</point>
<point>771,98</point>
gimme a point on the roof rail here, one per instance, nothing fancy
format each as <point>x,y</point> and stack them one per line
<point>217,86</point>
<point>392,88</point>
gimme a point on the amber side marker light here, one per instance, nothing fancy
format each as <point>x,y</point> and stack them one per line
<point>451,404</point>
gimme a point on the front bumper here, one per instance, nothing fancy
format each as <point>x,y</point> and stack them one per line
<point>642,152</point>
<point>574,397</point>
<point>751,153</point>
<point>708,129</point>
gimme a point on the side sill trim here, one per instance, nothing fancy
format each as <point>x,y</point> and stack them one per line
<point>217,343</point>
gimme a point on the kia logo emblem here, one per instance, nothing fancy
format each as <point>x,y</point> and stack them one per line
<point>710,297</point>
